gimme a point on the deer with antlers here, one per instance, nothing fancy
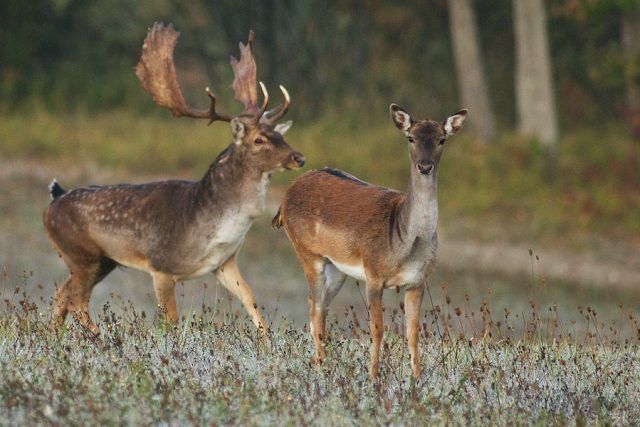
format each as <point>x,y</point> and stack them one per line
<point>174,230</point>
<point>341,226</point>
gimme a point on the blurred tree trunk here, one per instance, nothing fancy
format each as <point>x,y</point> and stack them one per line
<point>631,51</point>
<point>471,82</point>
<point>536,111</point>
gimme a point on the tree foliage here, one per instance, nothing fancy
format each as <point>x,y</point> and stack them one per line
<point>333,55</point>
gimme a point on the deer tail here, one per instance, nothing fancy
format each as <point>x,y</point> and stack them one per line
<point>277,221</point>
<point>55,190</point>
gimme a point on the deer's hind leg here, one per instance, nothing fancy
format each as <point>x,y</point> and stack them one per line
<point>74,294</point>
<point>328,284</point>
<point>334,279</point>
<point>164,286</point>
<point>61,303</point>
<point>313,266</point>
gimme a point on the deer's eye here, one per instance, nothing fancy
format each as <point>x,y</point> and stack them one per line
<point>442,140</point>
<point>411,140</point>
<point>259,141</point>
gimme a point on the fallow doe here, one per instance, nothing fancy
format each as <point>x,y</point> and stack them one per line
<point>341,226</point>
<point>174,230</point>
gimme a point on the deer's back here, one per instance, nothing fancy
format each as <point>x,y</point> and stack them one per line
<point>130,223</point>
<point>332,211</point>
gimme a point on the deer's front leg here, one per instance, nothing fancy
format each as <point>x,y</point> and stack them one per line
<point>376,324</point>
<point>164,286</point>
<point>229,276</point>
<point>412,301</point>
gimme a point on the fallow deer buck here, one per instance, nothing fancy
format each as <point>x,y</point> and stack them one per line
<point>174,230</point>
<point>341,226</point>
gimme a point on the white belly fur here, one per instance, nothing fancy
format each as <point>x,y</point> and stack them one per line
<point>355,271</point>
<point>412,273</point>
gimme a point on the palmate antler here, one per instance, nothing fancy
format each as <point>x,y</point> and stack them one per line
<point>244,85</point>
<point>157,74</point>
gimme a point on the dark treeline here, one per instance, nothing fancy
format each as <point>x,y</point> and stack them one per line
<point>333,55</point>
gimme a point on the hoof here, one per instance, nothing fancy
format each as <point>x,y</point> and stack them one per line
<point>316,360</point>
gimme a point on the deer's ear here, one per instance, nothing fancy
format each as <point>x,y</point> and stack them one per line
<point>282,128</point>
<point>401,118</point>
<point>454,123</point>
<point>238,130</point>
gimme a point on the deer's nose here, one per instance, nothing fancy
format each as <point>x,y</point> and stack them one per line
<point>298,158</point>
<point>425,168</point>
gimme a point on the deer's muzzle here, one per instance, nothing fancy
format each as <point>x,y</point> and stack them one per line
<point>425,168</point>
<point>296,161</point>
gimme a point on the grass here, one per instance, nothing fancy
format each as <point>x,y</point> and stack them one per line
<point>213,369</point>
<point>589,185</point>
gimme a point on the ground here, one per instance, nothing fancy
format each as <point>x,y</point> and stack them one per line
<point>203,372</point>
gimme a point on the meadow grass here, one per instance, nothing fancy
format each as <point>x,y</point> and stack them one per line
<point>481,364</point>
<point>589,184</point>
<point>213,368</point>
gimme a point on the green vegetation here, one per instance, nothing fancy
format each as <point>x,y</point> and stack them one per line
<point>216,370</point>
<point>71,53</point>
<point>590,184</point>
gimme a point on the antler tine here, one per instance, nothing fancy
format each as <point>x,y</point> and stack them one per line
<point>277,113</point>
<point>213,115</point>
<point>265,102</point>
<point>250,38</point>
<point>157,74</point>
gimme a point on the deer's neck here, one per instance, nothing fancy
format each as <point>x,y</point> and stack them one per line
<point>232,182</point>
<point>418,214</point>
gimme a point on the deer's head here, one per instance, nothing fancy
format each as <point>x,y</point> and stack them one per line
<point>426,137</point>
<point>254,130</point>
<point>264,146</point>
